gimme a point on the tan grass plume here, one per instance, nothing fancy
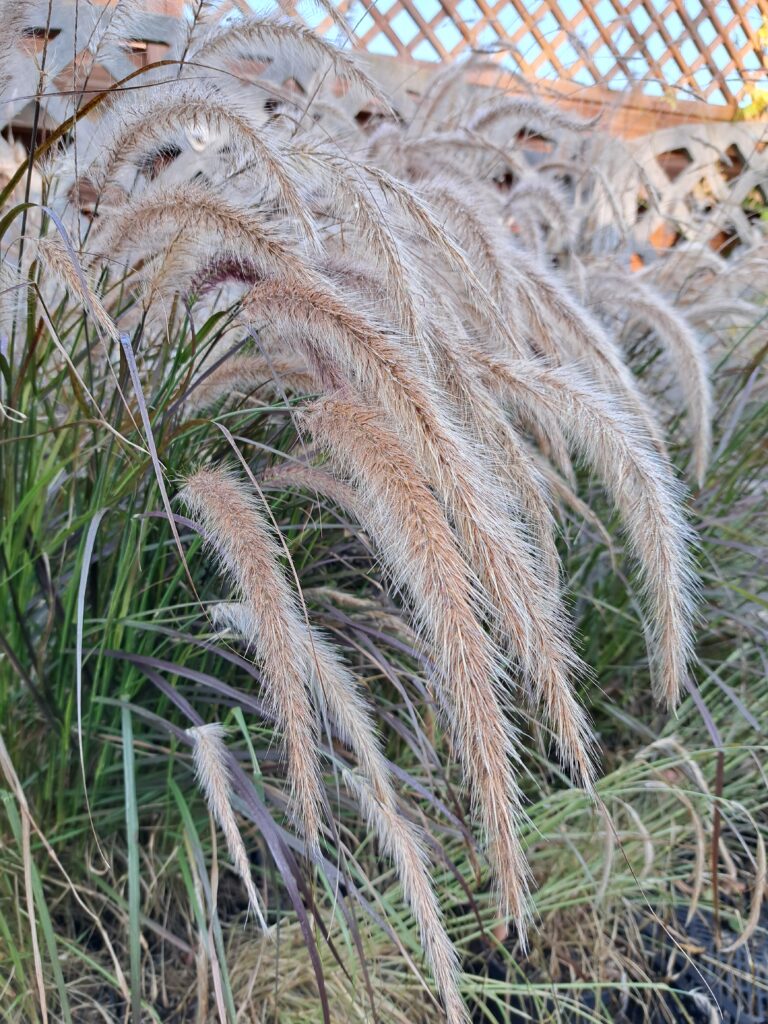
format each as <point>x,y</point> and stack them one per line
<point>348,347</point>
<point>640,301</point>
<point>212,770</point>
<point>340,699</point>
<point>400,513</point>
<point>250,556</point>
<point>641,485</point>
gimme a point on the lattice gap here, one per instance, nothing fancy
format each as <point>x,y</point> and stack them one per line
<point>707,50</point>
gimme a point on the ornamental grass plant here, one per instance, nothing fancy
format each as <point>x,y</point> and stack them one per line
<point>383,608</point>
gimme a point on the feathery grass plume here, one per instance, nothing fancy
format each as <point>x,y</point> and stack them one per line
<point>475,223</point>
<point>642,487</point>
<point>134,129</point>
<point>311,478</point>
<point>505,450</point>
<point>295,41</point>
<point>638,300</point>
<point>741,277</point>
<point>13,298</point>
<point>472,230</point>
<point>212,771</point>
<point>332,685</point>
<point>471,404</point>
<point>250,557</point>
<point>339,696</point>
<point>192,211</point>
<point>444,152</point>
<point>542,200</point>
<point>56,257</point>
<point>366,183</point>
<point>349,196</point>
<point>346,347</point>
<point>688,268</point>
<point>400,842</point>
<point>454,77</point>
<point>731,310</point>
<point>525,111</point>
<point>242,375</point>
<point>424,218</point>
<point>397,509</point>
<point>560,326</point>
<point>122,21</point>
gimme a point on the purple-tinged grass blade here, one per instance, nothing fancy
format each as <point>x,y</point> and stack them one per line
<point>259,814</point>
<point>90,540</point>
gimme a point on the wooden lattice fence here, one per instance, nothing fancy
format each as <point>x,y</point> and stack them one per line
<point>706,51</point>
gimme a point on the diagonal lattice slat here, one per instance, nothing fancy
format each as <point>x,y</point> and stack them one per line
<point>713,51</point>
